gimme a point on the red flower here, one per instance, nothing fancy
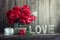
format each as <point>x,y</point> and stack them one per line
<point>16,14</point>
<point>26,10</point>
<point>9,13</point>
<point>29,20</point>
<point>33,18</point>
<point>22,14</point>
<point>22,32</point>
<point>10,22</point>
<point>22,21</point>
<point>16,8</point>
<point>25,7</point>
<point>10,16</point>
<point>16,11</point>
<point>26,19</point>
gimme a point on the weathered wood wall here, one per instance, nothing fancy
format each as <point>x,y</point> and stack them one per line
<point>46,11</point>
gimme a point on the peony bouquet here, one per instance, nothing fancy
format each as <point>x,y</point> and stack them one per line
<point>22,14</point>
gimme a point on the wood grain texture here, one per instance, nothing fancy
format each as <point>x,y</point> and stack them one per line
<point>47,12</point>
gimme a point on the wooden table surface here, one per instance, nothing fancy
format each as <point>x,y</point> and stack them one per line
<point>31,37</point>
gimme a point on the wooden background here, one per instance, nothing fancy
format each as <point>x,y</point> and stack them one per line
<point>46,11</point>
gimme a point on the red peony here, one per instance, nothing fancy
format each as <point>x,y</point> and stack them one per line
<point>11,21</point>
<point>9,13</point>
<point>26,10</point>
<point>10,16</point>
<point>25,7</point>
<point>29,19</point>
<point>22,21</point>
<point>22,32</point>
<point>16,14</point>
<point>16,8</point>
<point>16,11</point>
<point>23,15</point>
